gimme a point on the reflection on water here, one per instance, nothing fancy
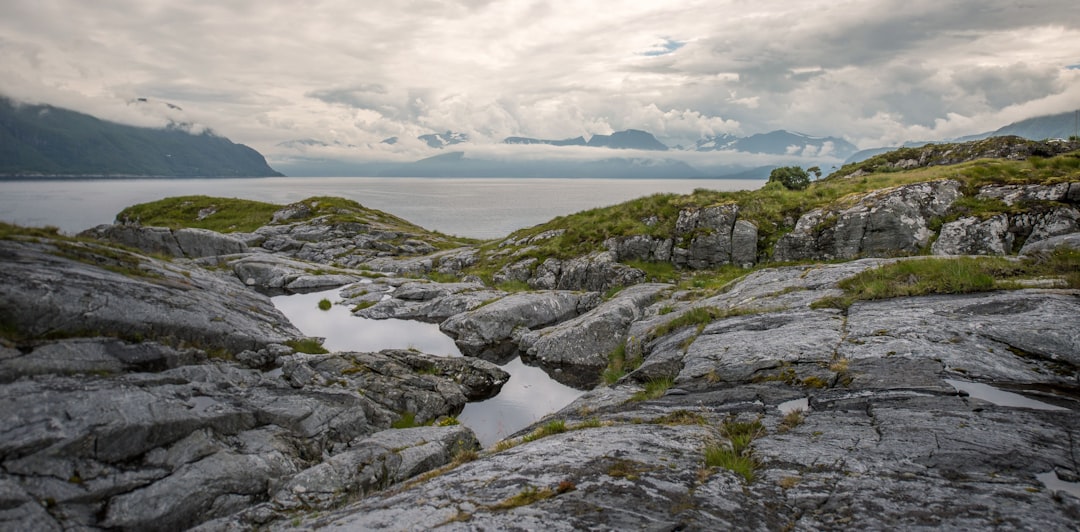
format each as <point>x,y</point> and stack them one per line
<point>529,395</point>
<point>1000,397</point>
<point>345,332</point>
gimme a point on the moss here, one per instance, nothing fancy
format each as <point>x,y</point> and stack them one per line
<point>528,495</point>
<point>405,420</point>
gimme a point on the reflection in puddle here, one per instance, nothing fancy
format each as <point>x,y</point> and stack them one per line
<point>345,332</point>
<point>1000,397</point>
<point>529,395</point>
<point>1052,482</point>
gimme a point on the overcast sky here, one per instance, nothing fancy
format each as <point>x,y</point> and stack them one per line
<point>357,72</point>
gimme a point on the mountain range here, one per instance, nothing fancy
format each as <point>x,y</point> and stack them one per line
<point>42,140</point>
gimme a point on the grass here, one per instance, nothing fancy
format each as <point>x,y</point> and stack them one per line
<point>363,305</point>
<point>556,426</point>
<point>736,455</point>
<point>954,275</point>
<point>527,495</point>
<point>619,365</point>
<point>681,417</point>
<point>229,214</point>
<point>407,420</point>
<point>791,420</point>
<point>311,346</point>
<point>654,388</point>
<point>325,304</point>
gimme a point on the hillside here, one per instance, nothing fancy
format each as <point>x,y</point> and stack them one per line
<point>42,140</point>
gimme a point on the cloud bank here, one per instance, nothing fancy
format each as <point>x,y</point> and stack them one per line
<point>354,74</point>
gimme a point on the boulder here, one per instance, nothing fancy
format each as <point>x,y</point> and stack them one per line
<point>974,236</point>
<point>1071,241</point>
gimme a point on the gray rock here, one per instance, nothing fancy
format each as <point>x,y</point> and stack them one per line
<point>186,242</point>
<point>94,356</point>
<point>487,332</point>
<point>373,463</point>
<point>882,223</point>
<point>1013,194</point>
<point>594,272</point>
<point>581,346</point>
<point>1066,241</point>
<point>972,236</point>
<point>71,288</point>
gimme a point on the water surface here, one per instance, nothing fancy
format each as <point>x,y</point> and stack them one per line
<point>529,395</point>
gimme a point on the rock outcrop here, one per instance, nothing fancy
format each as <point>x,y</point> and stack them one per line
<point>186,242</point>
<point>882,223</point>
<point>137,393</point>
<point>492,331</point>
<point>891,429</point>
<point>575,352</point>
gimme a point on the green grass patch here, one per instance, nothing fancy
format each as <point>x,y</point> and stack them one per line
<point>406,420</point>
<point>556,426</point>
<point>654,388</point>
<point>311,346</point>
<point>657,272</point>
<point>681,417</point>
<point>736,454</point>
<point>619,365</point>
<point>224,215</point>
<point>363,305</point>
<point>325,304</point>
<point>954,275</point>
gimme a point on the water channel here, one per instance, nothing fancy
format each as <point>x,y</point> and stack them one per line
<point>529,395</point>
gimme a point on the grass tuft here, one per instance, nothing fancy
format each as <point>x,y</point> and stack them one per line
<point>311,346</point>
<point>654,388</point>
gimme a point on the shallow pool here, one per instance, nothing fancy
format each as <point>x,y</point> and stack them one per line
<point>529,395</point>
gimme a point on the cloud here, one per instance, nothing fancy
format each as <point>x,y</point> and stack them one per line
<point>263,73</point>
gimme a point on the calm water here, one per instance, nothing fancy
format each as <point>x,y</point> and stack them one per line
<point>471,207</point>
<point>529,395</point>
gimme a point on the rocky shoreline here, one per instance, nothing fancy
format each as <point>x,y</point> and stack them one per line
<point>146,384</point>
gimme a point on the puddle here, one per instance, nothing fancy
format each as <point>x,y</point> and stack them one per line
<point>1000,397</point>
<point>795,404</point>
<point>1052,482</point>
<point>529,395</point>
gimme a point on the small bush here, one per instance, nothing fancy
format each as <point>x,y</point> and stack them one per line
<point>325,304</point>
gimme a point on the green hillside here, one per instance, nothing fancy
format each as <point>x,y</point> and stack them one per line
<point>41,140</point>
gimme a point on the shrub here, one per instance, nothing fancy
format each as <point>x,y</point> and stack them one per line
<point>325,304</point>
<point>792,177</point>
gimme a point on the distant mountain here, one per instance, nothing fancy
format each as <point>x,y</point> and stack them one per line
<point>38,140</point>
<point>442,140</point>
<point>631,139</point>
<point>780,142</point>
<point>576,141</point>
<point>1059,126</point>
<point>455,164</point>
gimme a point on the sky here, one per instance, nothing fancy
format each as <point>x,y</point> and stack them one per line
<point>351,74</point>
